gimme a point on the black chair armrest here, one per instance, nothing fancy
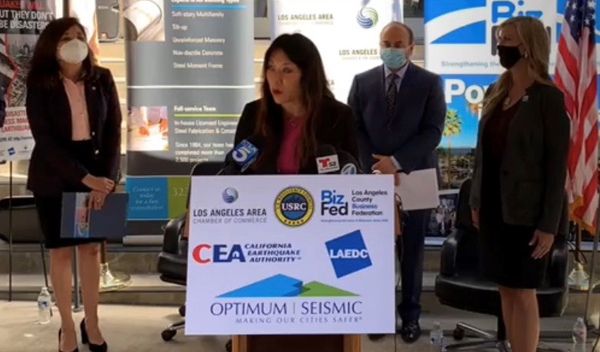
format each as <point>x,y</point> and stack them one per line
<point>171,236</point>
<point>448,255</point>
<point>558,263</point>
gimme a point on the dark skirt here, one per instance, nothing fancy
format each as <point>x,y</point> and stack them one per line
<point>507,254</point>
<point>506,251</point>
<point>49,208</point>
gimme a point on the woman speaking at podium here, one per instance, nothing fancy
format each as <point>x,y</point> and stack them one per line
<point>518,190</point>
<point>297,113</point>
<point>75,118</point>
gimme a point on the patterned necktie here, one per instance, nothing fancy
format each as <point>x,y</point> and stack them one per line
<point>391,95</point>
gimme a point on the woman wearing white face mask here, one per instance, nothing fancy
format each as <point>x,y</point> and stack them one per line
<point>75,118</point>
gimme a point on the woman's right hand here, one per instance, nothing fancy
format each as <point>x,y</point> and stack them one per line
<point>475,218</point>
<point>100,184</point>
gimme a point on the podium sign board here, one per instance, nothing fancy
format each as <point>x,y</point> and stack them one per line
<point>274,255</point>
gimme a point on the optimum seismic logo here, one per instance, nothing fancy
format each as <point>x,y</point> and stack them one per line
<point>367,17</point>
<point>294,206</point>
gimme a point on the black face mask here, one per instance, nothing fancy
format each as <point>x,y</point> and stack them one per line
<point>509,55</point>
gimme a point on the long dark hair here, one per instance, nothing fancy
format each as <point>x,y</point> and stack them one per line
<point>44,71</point>
<point>304,54</point>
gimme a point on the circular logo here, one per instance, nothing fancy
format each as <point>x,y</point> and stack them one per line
<point>349,169</point>
<point>367,17</point>
<point>230,195</point>
<point>294,206</point>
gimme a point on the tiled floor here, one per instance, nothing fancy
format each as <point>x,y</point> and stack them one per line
<point>137,328</point>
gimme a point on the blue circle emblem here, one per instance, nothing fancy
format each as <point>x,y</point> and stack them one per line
<point>230,195</point>
<point>367,17</point>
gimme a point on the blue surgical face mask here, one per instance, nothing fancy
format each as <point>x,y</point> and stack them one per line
<point>393,58</point>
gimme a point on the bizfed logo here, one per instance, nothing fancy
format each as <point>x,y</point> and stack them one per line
<point>367,17</point>
<point>348,254</point>
<point>465,22</point>
<point>294,206</point>
<point>230,195</point>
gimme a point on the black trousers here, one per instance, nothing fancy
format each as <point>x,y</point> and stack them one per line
<point>411,251</point>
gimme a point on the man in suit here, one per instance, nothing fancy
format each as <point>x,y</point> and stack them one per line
<point>400,110</point>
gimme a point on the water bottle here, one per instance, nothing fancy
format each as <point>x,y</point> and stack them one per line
<point>436,336</point>
<point>44,302</point>
<point>579,336</point>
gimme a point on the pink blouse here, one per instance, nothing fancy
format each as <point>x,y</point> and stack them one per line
<point>79,115</point>
<point>288,162</point>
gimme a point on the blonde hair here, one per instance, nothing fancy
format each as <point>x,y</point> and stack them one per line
<point>536,43</point>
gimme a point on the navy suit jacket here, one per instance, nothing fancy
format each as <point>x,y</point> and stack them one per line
<point>416,127</point>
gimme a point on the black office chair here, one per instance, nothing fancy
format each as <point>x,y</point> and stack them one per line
<point>460,284</point>
<point>172,261</point>
<point>25,227</point>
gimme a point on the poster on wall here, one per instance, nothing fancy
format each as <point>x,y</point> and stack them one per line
<point>316,253</point>
<point>346,32</point>
<point>21,23</point>
<point>189,75</point>
<point>85,11</point>
<point>460,45</point>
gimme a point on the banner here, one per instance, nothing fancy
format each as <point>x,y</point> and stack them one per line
<point>291,255</point>
<point>21,23</point>
<point>460,44</point>
<point>346,32</point>
<point>189,74</point>
<point>85,11</point>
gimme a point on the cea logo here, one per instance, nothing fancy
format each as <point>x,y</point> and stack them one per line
<point>333,204</point>
<point>348,254</point>
<point>219,253</point>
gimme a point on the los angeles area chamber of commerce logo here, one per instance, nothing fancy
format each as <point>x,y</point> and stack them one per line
<point>294,206</point>
<point>367,17</point>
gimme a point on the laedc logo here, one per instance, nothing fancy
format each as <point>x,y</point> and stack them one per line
<point>294,206</point>
<point>348,254</point>
<point>230,195</point>
<point>333,204</point>
<point>367,17</point>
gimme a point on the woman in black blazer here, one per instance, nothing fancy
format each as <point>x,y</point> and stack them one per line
<point>297,112</point>
<point>75,118</point>
<point>518,190</point>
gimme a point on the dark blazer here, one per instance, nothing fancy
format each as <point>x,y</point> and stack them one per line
<point>336,127</point>
<point>417,125</point>
<point>534,165</point>
<point>51,167</point>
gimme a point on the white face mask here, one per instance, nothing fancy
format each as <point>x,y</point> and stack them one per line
<point>73,51</point>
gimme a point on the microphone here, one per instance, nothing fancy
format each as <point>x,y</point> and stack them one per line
<point>240,158</point>
<point>348,163</point>
<point>327,160</point>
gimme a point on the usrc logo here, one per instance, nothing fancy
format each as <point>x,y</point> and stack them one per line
<point>294,206</point>
<point>348,254</point>
<point>230,195</point>
<point>367,17</point>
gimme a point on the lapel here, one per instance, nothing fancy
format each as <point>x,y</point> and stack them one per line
<point>403,92</point>
<point>63,101</point>
<point>91,90</point>
<point>381,84</point>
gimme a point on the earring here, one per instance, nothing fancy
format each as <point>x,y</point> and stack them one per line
<point>526,54</point>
